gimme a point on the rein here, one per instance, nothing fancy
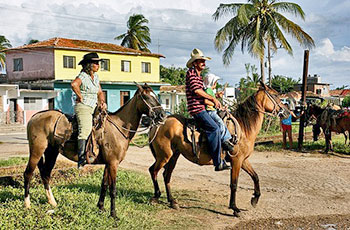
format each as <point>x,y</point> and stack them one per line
<point>274,112</point>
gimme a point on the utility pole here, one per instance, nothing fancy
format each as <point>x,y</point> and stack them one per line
<point>303,99</point>
<point>269,61</point>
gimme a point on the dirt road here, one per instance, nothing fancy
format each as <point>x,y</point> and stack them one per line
<point>299,191</point>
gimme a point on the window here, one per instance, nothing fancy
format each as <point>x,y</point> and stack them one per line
<point>126,66</point>
<point>167,103</point>
<point>105,65</point>
<point>124,97</point>
<point>18,64</point>
<point>146,67</point>
<point>69,62</point>
<point>32,103</point>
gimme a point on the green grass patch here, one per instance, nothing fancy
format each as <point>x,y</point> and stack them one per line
<point>77,204</point>
<point>13,161</point>
<point>320,145</point>
<point>140,139</point>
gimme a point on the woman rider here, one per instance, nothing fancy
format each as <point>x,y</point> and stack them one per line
<point>88,90</point>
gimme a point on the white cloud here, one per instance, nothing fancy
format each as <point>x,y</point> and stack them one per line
<point>327,50</point>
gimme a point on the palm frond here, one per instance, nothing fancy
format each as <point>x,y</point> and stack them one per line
<point>289,7</point>
<point>226,9</point>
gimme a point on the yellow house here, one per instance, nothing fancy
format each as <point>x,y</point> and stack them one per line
<point>56,61</point>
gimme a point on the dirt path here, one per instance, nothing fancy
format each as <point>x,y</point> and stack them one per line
<point>299,191</point>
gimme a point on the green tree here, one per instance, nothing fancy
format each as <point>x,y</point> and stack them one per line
<point>4,44</point>
<point>342,87</point>
<point>32,41</point>
<point>256,23</point>
<point>249,84</point>
<point>346,102</point>
<point>137,36</point>
<point>173,75</point>
<point>283,84</point>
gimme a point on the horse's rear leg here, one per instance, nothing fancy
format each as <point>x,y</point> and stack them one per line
<point>112,179</point>
<point>35,155</point>
<point>45,168</point>
<point>246,166</point>
<point>169,168</point>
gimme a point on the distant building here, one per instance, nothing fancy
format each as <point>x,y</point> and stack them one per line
<point>315,86</point>
<point>48,67</point>
<point>171,97</point>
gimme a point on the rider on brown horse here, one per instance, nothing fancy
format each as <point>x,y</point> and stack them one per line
<point>196,107</point>
<point>88,90</point>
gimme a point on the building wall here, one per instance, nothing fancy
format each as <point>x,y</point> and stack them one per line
<point>37,64</point>
<point>115,73</point>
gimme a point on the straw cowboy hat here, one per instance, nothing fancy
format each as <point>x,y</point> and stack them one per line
<point>90,57</point>
<point>196,55</point>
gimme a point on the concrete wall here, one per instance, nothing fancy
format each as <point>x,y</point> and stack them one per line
<point>115,73</point>
<point>37,64</point>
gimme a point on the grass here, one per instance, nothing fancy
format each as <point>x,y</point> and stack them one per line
<point>140,139</point>
<point>338,145</point>
<point>77,204</point>
<point>13,161</point>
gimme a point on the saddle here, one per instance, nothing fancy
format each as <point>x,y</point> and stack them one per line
<point>196,136</point>
<point>66,131</point>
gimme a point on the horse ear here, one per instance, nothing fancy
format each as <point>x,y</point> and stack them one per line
<point>138,86</point>
<point>262,85</point>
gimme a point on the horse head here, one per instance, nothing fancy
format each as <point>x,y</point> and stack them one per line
<point>270,102</point>
<point>149,104</point>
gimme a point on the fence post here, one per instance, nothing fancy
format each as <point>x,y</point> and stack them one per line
<point>303,99</point>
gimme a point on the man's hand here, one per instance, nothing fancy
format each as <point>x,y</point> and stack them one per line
<point>103,106</point>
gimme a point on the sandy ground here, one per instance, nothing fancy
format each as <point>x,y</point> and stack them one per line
<point>299,190</point>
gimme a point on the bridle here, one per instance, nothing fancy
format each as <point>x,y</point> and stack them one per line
<point>277,108</point>
<point>151,112</point>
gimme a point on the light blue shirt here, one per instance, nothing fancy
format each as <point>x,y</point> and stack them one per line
<point>89,88</point>
<point>287,121</point>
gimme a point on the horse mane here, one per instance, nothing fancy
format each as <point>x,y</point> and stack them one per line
<point>246,113</point>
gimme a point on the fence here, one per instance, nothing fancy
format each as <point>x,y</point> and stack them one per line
<point>11,117</point>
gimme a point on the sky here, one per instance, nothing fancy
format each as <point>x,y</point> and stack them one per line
<point>177,27</point>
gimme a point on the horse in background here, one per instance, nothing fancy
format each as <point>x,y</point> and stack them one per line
<point>169,143</point>
<point>119,129</point>
<point>330,119</point>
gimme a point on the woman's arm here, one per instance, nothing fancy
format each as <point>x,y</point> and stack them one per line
<point>76,89</point>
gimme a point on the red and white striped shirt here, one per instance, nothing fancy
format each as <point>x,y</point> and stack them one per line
<point>195,103</point>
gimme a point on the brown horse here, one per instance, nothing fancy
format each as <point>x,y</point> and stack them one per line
<point>120,128</point>
<point>169,143</point>
<point>324,120</point>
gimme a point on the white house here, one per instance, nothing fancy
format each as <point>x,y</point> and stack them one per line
<point>171,97</point>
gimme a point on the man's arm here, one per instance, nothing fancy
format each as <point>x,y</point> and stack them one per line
<point>76,89</point>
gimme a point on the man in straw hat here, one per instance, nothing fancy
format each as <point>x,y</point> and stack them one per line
<point>196,107</point>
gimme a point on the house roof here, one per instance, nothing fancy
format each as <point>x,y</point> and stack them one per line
<point>172,88</point>
<point>340,92</point>
<point>73,44</point>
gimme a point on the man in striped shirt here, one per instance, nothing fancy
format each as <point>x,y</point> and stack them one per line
<point>195,103</point>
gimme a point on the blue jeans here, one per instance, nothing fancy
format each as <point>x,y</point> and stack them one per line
<point>225,134</point>
<point>212,130</point>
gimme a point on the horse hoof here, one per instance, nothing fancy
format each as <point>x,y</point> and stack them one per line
<point>154,200</point>
<point>102,209</point>
<point>236,213</point>
<point>27,202</point>
<point>254,201</point>
<point>174,205</point>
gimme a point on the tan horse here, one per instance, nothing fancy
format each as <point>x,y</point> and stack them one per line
<point>169,144</point>
<point>120,128</point>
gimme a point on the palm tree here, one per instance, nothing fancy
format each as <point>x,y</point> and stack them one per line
<point>256,23</point>
<point>138,36</point>
<point>32,41</point>
<point>4,44</point>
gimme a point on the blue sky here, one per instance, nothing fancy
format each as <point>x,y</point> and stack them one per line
<point>179,26</point>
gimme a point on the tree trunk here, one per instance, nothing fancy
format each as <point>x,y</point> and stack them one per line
<point>269,61</point>
<point>262,69</point>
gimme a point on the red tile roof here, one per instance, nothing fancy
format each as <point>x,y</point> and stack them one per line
<point>65,43</point>
<point>340,92</point>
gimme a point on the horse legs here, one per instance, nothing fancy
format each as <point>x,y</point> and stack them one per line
<point>104,185</point>
<point>236,164</point>
<point>154,174</point>
<point>112,179</point>
<point>45,168</point>
<point>35,155</point>
<point>169,167</point>
<point>246,166</point>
